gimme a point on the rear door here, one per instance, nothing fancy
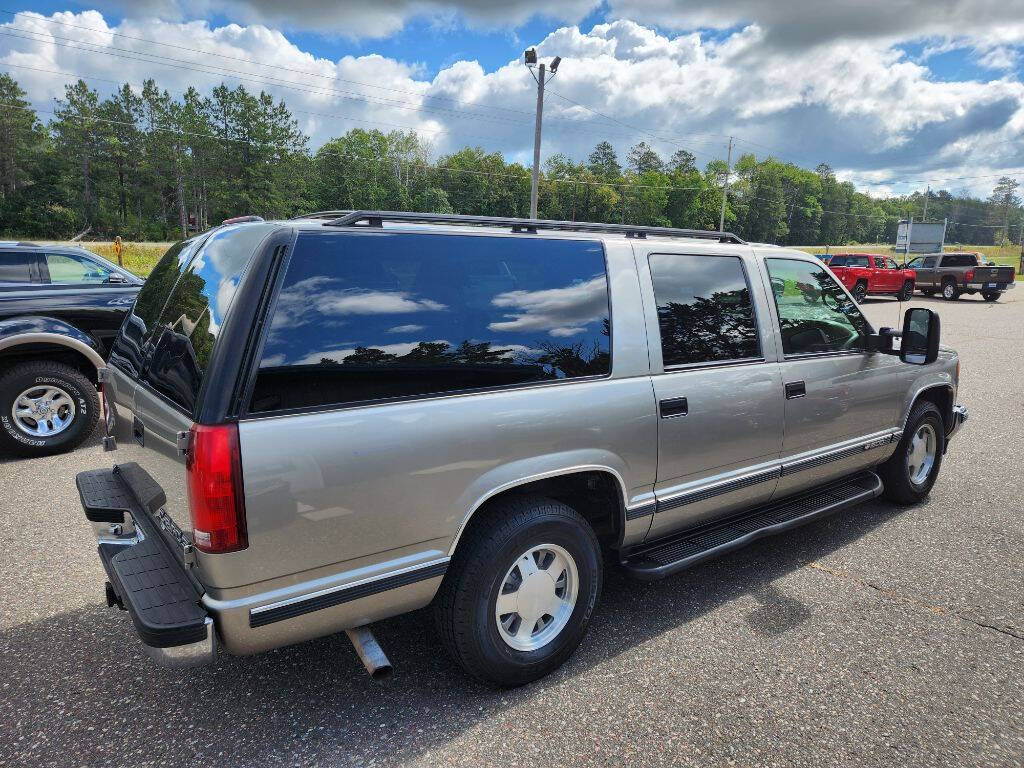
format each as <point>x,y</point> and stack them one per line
<point>164,348</point>
<point>716,382</point>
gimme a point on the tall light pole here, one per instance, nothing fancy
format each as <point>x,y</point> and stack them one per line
<point>530,58</point>
<point>725,189</point>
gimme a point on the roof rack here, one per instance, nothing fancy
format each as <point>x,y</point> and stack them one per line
<point>528,226</point>
<point>322,214</point>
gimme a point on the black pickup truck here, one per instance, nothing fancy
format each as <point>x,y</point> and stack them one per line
<point>60,308</point>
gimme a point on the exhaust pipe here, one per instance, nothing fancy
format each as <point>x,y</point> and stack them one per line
<point>370,653</point>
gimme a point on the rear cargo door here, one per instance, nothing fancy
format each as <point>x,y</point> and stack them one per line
<point>164,349</point>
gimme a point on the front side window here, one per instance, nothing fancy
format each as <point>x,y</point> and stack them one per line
<point>705,312</point>
<point>815,314</point>
<point>70,269</point>
<point>371,316</point>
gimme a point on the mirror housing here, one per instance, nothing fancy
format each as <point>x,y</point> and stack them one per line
<point>116,277</point>
<point>919,344</point>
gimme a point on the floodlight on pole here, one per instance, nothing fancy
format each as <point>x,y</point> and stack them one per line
<point>530,59</point>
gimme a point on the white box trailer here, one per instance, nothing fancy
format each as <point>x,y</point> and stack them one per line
<point>925,237</point>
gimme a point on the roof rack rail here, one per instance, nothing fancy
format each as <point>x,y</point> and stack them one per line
<point>322,214</point>
<point>530,226</point>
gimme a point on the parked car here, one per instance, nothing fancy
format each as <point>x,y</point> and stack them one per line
<point>954,274</point>
<point>60,309</point>
<point>325,422</point>
<point>869,274</point>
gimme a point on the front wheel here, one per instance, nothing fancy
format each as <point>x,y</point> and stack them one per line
<point>911,471</point>
<point>991,295</point>
<point>520,591</point>
<point>907,292</point>
<point>45,407</point>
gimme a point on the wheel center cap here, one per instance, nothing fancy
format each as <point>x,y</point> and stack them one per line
<point>534,595</point>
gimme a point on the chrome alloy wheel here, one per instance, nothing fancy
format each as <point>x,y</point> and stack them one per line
<point>537,597</point>
<point>43,411</point>
<point>921,454</point>
<point>948,291</point>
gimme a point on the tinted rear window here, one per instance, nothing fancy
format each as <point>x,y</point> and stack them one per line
<point>16,267</point>
<point>959,260</point>
<point>705,313</point>
<point>181,340</point>
<point>368,316</point>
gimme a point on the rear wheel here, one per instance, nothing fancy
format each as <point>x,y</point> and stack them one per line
<point>950,292</point>
<point>911,471</point>
<point>860,292</point>
<point>45,407</point>
<point>520,591</point>
<point>907,293</point>
<point>991,295</point>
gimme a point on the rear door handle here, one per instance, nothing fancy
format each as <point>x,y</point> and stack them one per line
<point>795,389</point>
<point>674,406</point>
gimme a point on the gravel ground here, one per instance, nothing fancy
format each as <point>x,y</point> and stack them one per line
<point>883,636</point>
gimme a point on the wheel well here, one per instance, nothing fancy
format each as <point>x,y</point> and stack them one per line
<point>861,281</point>
<point>942,397</point>
<point>594,494</point>
<point>56,352</point>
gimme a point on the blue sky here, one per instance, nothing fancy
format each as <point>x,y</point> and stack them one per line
<point>889,98</point>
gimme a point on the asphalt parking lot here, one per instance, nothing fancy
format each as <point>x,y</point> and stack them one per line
<point>883,636</point>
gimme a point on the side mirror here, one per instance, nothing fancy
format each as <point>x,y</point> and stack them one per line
<point>920,338</point>
<point>115,277</point>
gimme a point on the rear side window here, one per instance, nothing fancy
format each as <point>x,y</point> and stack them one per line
<point>857,261</point>
<point>928,263</point>
<point>837,261</point>
<point>959,260</point>
<point>190,320</point>
<point>705,313</point>
<point>16,267</point>
<point>370,316</point>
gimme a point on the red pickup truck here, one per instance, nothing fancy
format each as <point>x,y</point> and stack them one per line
<point>871,274</point>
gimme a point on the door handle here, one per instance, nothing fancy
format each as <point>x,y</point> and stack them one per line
<point>139,431</point>
<point>795,389</point>
<point>674,406</point>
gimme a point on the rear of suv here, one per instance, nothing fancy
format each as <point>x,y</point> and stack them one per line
<point>322,423</point>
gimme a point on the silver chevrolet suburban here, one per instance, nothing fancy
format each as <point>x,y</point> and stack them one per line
<point>329,421</point>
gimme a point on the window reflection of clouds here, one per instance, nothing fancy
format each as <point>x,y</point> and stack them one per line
<point>559,312</point>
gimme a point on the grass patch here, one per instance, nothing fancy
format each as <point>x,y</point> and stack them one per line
<point>138,258</point>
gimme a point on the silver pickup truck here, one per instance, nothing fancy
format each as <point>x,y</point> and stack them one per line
<point>325,422</point>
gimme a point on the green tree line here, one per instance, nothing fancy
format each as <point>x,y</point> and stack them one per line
<point>149,166</point>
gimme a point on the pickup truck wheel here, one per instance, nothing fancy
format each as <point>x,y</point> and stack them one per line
<point>860,292</point>
<point>910,472</point>
<point>45,407</point>
<point>950,292</point>
<point>908,291</point>
<point>991,295</point>
<point>520,591</point>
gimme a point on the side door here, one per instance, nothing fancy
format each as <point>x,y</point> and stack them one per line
<point>841,400</point>
<point>716,383</point>
<point>79,291</point>
<point>925,269</point>
<point>884,277</point>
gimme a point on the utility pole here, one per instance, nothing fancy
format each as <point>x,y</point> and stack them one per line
<point>1020,239</point>
<point>530,58</point>
<point>906,249</point>
<point>927,194</point>
<point>725,189</point>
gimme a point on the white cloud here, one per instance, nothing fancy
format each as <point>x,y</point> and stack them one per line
<point>405,329</point>
<point>808,82</point>
<point>559,312</point>
<point>339,355</point>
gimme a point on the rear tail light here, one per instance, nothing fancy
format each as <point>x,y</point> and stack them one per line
<point>213,470</point>
<point>969,275</point>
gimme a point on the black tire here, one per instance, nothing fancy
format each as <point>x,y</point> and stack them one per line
<point>860,292</point>
<point>464,608</point>
<point>950,291</point>
<point>42,373</point>
<point>908,291</point>
<point>899,486</point>
<point>991,295</point>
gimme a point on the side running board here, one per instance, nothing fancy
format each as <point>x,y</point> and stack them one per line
<point>658,559</point>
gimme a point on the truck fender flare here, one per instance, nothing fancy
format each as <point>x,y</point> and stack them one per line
<point>49,330</point>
